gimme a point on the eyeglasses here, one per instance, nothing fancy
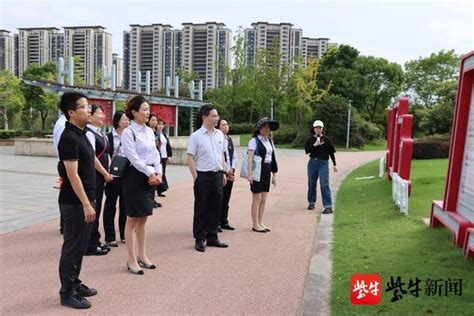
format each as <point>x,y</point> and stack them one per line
<point>88,106</point>
<point>214,116</point>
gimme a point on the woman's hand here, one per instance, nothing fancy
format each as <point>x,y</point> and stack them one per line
<point>274,181</point>
<point>250,178</point>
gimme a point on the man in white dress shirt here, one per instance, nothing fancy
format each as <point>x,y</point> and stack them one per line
<point>206,149</point>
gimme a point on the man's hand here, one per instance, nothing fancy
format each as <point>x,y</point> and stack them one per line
<point>154,179</point>
<point>89,213</point>
<point>335,168</point>
<point>250,178</point>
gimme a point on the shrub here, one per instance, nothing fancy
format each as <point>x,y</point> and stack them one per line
<point>357,141</point>
<point>241,128</point>
<point>5,134</point>
<point>430,148</point>
<point>286,134</point>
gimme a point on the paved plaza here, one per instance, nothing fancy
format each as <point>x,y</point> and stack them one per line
<point>284,272</point>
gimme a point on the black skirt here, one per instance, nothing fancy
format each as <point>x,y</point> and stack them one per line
<point>264,184</point>
<point>138,195</point>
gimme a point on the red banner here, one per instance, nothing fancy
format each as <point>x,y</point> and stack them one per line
<point>107,106</point>
<point>165,112</point>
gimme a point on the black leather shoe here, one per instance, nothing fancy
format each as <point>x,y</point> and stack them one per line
<point>76,301</point>
<point>156,204</point>
<point>96,252</point>
<point>161,194</point>
<point>219,229</point>
<point>228,227</point>
<point>200,246</point>
<point>216,243</point>
<point>85,291</point>
<point>105,247</point>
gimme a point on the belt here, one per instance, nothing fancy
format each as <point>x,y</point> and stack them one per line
<point>211,172</point>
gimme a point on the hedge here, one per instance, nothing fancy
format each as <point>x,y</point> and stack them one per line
<point>430,148</point>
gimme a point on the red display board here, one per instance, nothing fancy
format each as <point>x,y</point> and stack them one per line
<point>456,211</point>
<point>107,106</point>
<point>399,140</point>
<point>166,112</point>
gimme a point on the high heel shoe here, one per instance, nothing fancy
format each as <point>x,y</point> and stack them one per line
<point>145,265</point>
<point>139,271</point>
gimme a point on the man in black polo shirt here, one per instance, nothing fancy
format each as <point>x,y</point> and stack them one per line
<point>76,198</point>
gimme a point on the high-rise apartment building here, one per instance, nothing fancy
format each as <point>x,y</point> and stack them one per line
<point>37,45</point>
<point>118,62</point>
<point>93,47</point>
<point>314,48</point>
<point>144,47</point>
<point>203,49</point>
<point>279,39</point>
<point>7,51</point>
<point>206,52</point>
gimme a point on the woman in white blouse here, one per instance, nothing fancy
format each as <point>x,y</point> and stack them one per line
<point>140,179</point>
<point>262,145</point>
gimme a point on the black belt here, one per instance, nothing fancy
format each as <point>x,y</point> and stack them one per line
<point>211,172</point>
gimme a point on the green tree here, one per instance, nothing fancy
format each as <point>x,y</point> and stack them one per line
<point>36,98</point>
<point>382,81</point>
<point>432,80</point>
<point>11,97</point>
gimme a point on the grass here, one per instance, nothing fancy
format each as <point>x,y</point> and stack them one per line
<point>372,236</point>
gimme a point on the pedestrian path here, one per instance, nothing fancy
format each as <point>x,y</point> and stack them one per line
<point>258,274</point>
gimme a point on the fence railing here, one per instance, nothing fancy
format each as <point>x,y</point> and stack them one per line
<point>400,189</point>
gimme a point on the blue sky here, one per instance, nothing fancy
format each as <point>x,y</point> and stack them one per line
<point>396,30</point>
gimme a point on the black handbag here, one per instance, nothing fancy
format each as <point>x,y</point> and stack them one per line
<point>118,166</point>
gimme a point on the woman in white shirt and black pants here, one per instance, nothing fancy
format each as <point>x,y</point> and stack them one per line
<point>140,180</point>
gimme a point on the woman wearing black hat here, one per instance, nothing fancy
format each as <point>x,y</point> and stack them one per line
<point>262,145</point>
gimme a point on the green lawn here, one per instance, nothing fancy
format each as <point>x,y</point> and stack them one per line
<point>372,236</point>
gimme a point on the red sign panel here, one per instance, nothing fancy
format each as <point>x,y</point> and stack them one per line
<point>107,106</point>
<point>366,289</point>
<point>165,112</point>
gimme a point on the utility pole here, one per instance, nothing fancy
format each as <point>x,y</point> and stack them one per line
<point>348,123</point>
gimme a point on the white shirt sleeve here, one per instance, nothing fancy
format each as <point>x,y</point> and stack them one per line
<point>252,145</point>
<point>192,145</point>
<point>91,137</point>
<point>130,151</point>
<point>234,160</point>
<point>157,155</point>
<point>58,130</point>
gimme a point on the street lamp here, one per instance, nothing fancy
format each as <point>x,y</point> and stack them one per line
<point>348,123</point>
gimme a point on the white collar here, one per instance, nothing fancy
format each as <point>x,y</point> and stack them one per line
<point>94,128</point>
<point>137,127</point>
<point>204,130</point>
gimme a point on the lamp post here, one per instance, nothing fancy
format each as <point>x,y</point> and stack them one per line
<point>348,123</point>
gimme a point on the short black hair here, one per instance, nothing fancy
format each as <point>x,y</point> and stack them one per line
<point>95,107</point>
<point>149,118</point>
<point>203,111</point>
<point>69,102</point>
<point>116,119</point>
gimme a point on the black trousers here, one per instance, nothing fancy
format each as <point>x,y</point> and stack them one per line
<point>227,191</point>
<point>164,184</point>
<point>207,205</point>
<point>113,191</point>
<point>76,236</point>
<point>94,241</point>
